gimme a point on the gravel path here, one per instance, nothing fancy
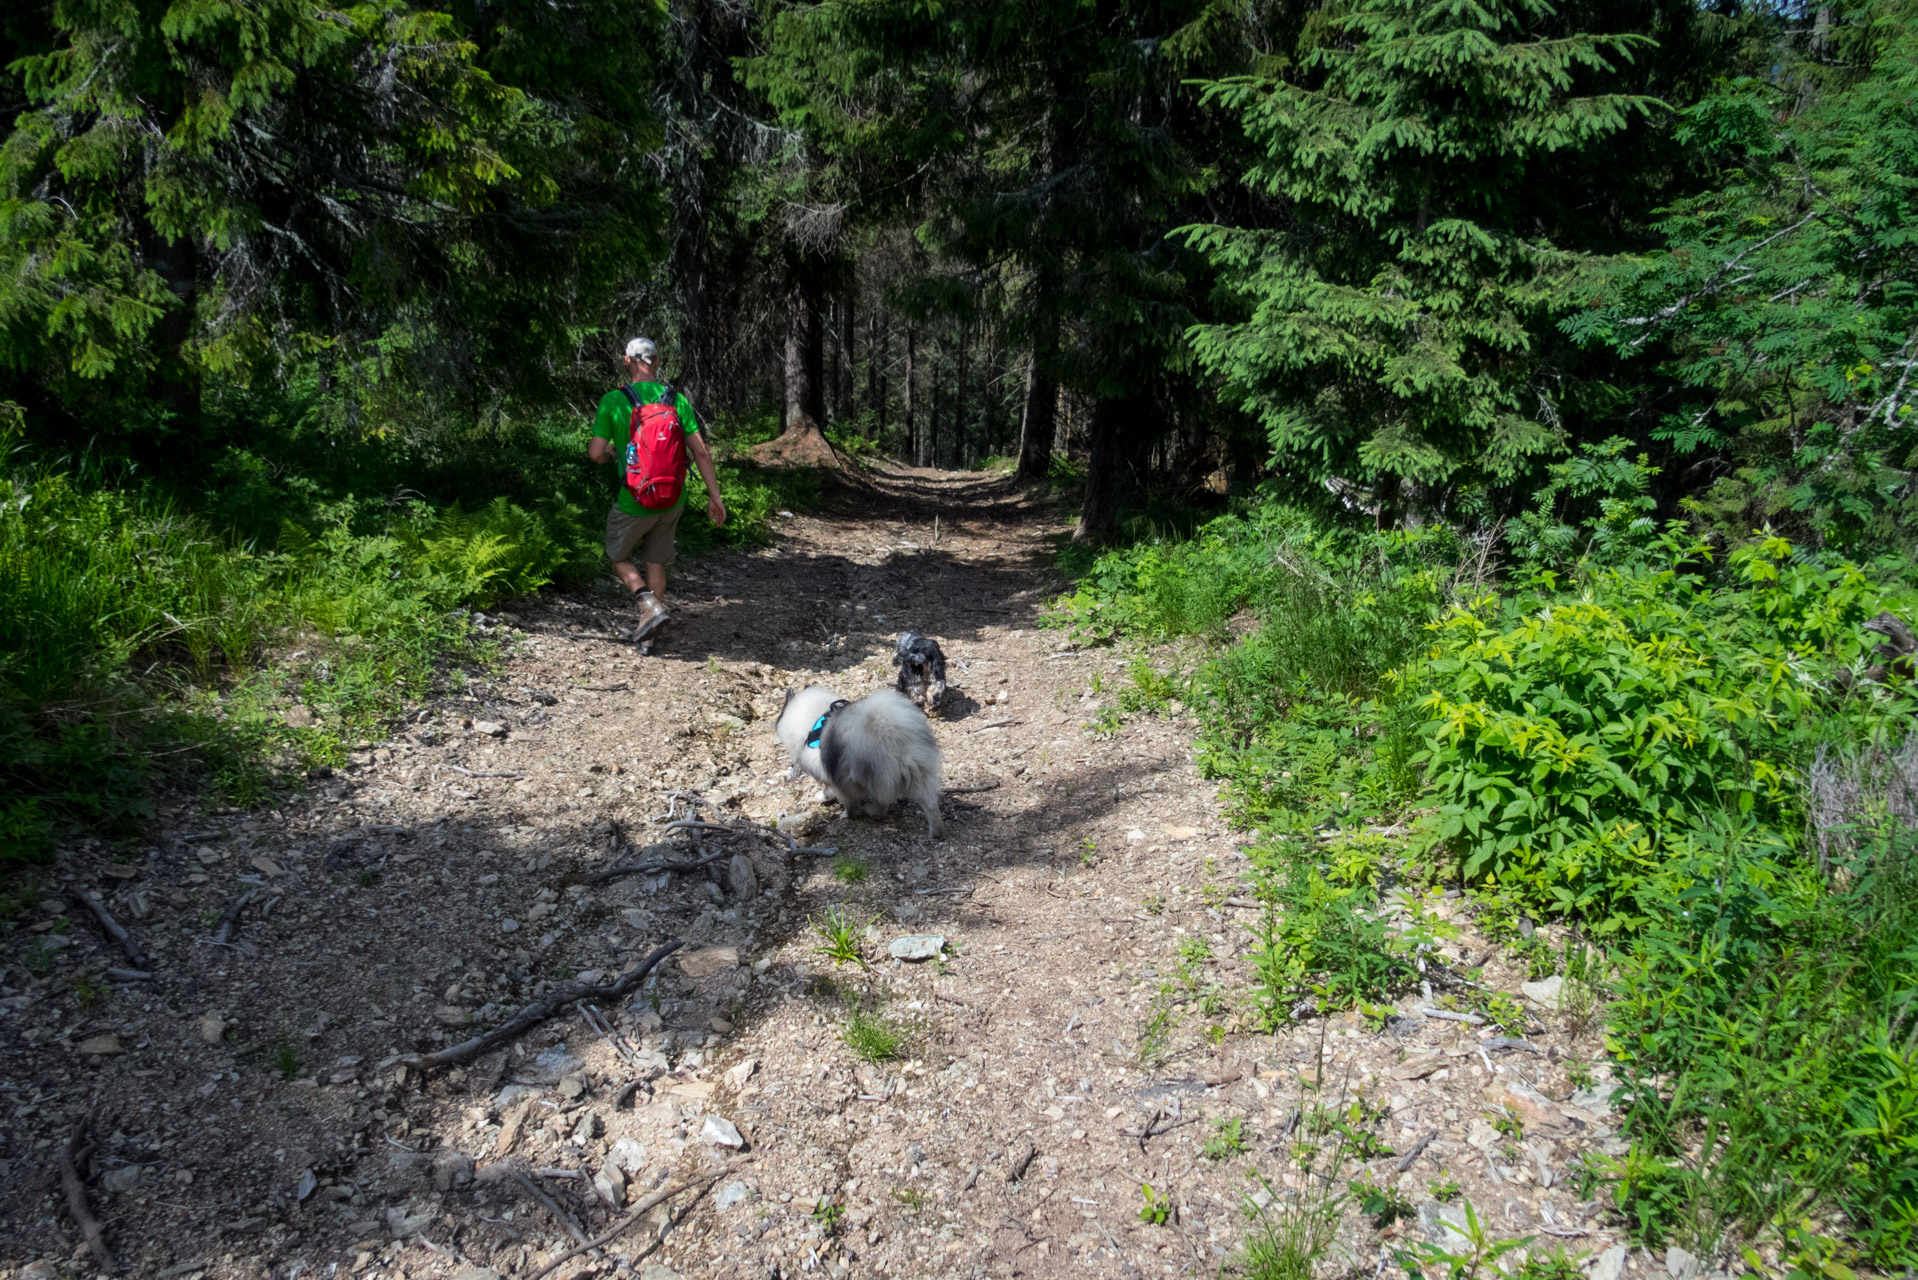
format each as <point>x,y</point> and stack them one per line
<point>253,1112</point>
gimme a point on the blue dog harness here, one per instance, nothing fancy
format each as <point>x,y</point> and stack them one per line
<point>819,725</point>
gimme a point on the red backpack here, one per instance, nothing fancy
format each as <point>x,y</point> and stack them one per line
<point>656,455</point>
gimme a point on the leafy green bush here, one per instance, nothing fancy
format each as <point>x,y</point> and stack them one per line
<point>1577,742</point>
<point>1766,1037</point>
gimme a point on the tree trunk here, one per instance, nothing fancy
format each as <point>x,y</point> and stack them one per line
<point>1037,424</point>
<point>848,327</point>
<point>1099,512</point>
<point>961,439</point>
<point>1041,415</point>
<point>805,406</point>
<point>878,352</point>
<point>913,439</point>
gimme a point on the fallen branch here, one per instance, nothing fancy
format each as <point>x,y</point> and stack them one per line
<point>546,1202</point>
<point>483,773</point>
<point>1446,1015</point>
<point>71,1157</point>
<point>539,1011</point>
<point>962,791</point>
<point>621,687</point>
<point>128,943</point>
<point>632,1218</point>
<point>755,829</point>
<point>231,917</point>
<point>1000,723</point>
<point>1412,1156</point>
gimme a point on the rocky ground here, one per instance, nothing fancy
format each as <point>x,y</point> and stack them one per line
<point>248,1109</point>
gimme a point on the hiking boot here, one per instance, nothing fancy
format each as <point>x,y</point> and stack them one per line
<point>651,615</point>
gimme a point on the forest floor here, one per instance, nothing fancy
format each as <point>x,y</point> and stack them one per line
<point>247,1113</point>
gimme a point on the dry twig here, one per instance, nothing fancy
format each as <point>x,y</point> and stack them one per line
<point>539,1011</point>
<point>128,943</point>
<point>633,1215</point>
<point>71,1157</point>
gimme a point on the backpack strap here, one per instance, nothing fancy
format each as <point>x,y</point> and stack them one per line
<point>631,395</point>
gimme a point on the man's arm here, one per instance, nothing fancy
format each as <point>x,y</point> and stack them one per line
<point>599,450</point>
<point>703,459</point>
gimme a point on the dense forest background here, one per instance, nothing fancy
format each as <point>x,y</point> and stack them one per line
<point>1501,411</point>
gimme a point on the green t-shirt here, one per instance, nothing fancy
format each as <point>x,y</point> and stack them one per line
<point>613,424</point>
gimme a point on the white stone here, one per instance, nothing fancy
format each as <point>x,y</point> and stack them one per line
<point>917,946</point>
<point>1610,1264</point>
<point>721,1132</point>
<point>1545,992</point>
<point>629,1154</point>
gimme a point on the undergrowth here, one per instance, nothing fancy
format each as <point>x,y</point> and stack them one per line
<point>1695,757</point>
<point>151,635</point>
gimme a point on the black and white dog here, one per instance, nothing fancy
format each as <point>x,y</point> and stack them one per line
<point>922,670</point>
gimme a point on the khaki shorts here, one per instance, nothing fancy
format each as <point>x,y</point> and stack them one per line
<point>652,533</point>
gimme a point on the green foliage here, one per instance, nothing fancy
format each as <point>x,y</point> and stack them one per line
<point>1762,1033</point>
<point>1157,1209</point>
<point>1227,1140</point>
<point>872,1038</point>
<point>839,937</point>
<point>1322,946</point>
<point>1577,745</point>
<point>850,870</point>
<point>1397,328</point>
<point>1478,1254</point>
<point>1781,309</point>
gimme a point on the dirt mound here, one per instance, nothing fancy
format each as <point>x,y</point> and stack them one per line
<point>803,446</point>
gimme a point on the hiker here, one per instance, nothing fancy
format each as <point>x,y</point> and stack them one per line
<point>651,488</point>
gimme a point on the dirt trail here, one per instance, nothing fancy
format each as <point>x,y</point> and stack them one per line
<point>250,1119</point>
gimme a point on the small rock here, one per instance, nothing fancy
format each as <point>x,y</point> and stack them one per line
<point>304,1187</point>
<point>1681,1263</point>
<point>491,728</point>
<point>452,1169</point>
<point>741,877</point>
<point>629,1154</point>
<point>509,925</point>
<point>1610,1264</point>
<point>731,1194</point>
<point>1533,1108</point>
<point>707,961</point>
<point>721,1025</point>
<point>212,1028</point>
<point>1134,836</point>
<point>917,946</point>
<point>737,1076</point>
<point>101,1045</point>
<point>658,1271</point>
<point>721,1133</point>
<point>1545,992</point>
<point>571,1088</point>
<point>647,1019</point>
<point>452,1015</point>
<point>266,866</point>
<point>1418,1067</point>
<point>478,1273</point>
<point>124,1178</point>
<point>609,1184</point>
<point>404,1225</point>
<point>300,717</point>
<point>553,1066</point>
<point>1444,1224</point>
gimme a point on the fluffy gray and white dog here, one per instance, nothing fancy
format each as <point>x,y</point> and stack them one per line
<point>869,754</point>
<point>922,669</point>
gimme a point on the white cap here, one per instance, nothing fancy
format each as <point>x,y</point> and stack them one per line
<point>642,349</point>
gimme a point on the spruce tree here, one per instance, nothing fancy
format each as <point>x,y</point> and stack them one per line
<point>1395,323</point>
